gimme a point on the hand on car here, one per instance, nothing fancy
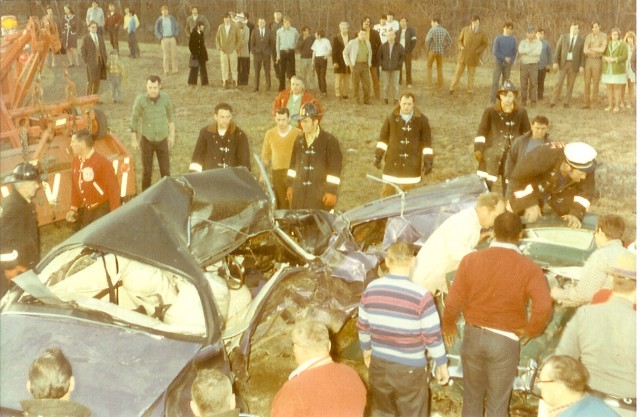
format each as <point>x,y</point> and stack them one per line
<point>478,155</point>
<point>377,162</point>
<point>572,221</point>
<point>531,214</point>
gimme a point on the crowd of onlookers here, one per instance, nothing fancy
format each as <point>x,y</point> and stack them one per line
<point>398,322</point>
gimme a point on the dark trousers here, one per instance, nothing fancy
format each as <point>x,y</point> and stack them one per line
<point>287,67</point>
<point>193,74</point>
<point>243,70</point>
<point>407,68</point>
<point>320,65</point>
<point>398,390</point>
<point>276,65</point>
<point>132,40</point>
<point>87,216</point>
<point>489,365</point>
<point>280,188</point>
<point>261,61</point>
<point>542,74</point>
<point>148,148</point>
<point>93,87</point>
<point>113,37</point>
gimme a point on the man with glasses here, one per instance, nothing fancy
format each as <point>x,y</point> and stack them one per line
<point>562,382</point>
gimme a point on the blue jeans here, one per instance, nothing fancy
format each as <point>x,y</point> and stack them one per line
<point>500,70</point>
<point>489,366</point>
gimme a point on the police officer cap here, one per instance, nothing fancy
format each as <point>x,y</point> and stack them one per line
<point>309,109</point>
<point>507,86</point>
<point>24,171</point>
<point>581,156</point>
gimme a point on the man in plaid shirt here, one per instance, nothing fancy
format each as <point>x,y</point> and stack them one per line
<point>437,40</point>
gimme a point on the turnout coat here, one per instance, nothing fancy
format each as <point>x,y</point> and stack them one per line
<point>496,132</point>
<point>215,151</point>
<point>314,170</point>
<point>404,145</point>
<point>536,179</point>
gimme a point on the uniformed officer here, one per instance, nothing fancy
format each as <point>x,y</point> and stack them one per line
<point>94,185</point>
<point>405,143</point>
<point>221,144</point>
<point>499,126</point>
<point>316,164</point>
<point>562,176</point>
<point>19,235</point>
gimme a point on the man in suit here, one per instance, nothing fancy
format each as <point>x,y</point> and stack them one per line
<point>391,56</point>
<point>260,45</point>
<point>374,39</point>
<point>569,59</point>
<point>340,68</point>
<point>408,39</point>
<point>94,54</point>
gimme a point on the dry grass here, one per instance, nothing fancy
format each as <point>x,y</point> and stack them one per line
<point>453,120</point>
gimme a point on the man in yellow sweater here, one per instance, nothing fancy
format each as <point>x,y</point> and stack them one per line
<point>276,154</point>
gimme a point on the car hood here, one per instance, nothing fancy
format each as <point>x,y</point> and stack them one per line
<point>429,198</point>
<point>118,371</point>
<point>182,222</point>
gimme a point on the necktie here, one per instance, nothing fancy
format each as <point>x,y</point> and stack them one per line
<point>95,38</point>
<point>571,44</point>
<point>262,33</point>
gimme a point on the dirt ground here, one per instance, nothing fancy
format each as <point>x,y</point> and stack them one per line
<point>454,120</point>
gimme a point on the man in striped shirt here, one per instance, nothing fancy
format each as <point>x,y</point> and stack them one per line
<point>398,322</point>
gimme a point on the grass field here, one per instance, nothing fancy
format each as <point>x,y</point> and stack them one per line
<point>454,120</point>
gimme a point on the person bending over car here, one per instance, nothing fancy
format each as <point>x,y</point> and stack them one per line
<point>51,382</point>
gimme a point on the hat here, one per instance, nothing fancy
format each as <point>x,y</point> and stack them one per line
<point>581,156</point>
<point>24,171</point>
<point>240,17</point>
<point>624,266</point>
<point>309,109</point>
<point>531,29</point>
<point>507,85</point>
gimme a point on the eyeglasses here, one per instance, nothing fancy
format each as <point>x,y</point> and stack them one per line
<point>543,381</point>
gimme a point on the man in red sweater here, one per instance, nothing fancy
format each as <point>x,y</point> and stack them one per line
<point>318,387</point>
<point>94,186</point>
<point>492,288</point>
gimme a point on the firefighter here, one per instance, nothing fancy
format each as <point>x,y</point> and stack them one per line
<point>501,123</point>
<point>19,236</point>
<point>558,175</point>
<point>316,164</point>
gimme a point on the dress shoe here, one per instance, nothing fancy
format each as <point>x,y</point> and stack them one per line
<point>255,90</point>
<point>552,105</point>
<point>585,106</point>
<point>566,106</point>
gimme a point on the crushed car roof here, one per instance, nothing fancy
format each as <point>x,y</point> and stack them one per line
<point>182,222</point>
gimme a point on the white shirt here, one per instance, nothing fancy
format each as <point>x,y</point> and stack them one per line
<point>321,47</point>
<point>442,252</point>
<point>382,30</point>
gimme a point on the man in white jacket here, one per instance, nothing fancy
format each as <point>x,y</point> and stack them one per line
<point>453,239</point>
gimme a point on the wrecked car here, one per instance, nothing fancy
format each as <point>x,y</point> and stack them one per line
<point>189,275</point>
<point>560,251</point>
